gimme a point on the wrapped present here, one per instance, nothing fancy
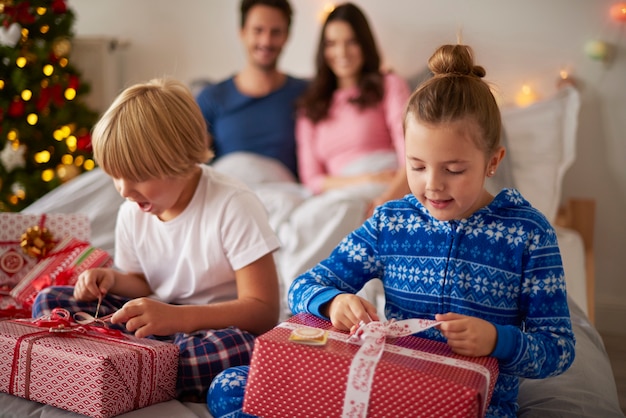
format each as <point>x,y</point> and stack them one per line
<point>10,308</point>
<point>304,367</point>
<point>90,370</point>
<point>61,266</point>
<point>25,238</point>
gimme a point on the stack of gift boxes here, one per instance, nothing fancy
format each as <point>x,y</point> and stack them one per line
<point>80,367</point>
<point>38,251</point>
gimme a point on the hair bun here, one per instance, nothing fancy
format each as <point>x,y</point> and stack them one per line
<point>454,60</point>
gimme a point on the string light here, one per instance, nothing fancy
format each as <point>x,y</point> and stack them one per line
<point>47,175</point>
<point>26,95</point>
<point>67,159</point>
<point>326,10</point>
<point>618,12</point>
<point>71,143</point>
<point>526,96</point>
<point>89,165</point>
<point>42,157</point>
<point>48,69</point>
<point>70,93</point>
<point>32,119</point>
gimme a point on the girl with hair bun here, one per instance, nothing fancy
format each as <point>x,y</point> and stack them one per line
<point>487,267</point>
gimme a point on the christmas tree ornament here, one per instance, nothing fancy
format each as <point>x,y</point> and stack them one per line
<point>37,241</point>
<point>12,156</point>
<point>61,47</point>
<point>16,108</point>
<point>10,36</point>
<point>597,50</point>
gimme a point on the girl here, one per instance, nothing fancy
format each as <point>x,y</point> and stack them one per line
<point>193,248</point>
<point>488,267</point>
<point>349,129</point>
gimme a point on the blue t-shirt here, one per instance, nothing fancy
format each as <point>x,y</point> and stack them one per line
<point>260,125</point>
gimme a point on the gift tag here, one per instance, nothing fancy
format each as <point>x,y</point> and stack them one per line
<point>309,336</point>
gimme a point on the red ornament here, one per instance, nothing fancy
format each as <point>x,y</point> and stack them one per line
<point>20,14</point>
<point>50,94</point>
<point>16,108</point>
<point>73,82</point>
<point>59,6</point>
<point>83,143</point>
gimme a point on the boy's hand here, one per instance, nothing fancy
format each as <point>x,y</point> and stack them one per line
<point>347,310</point>
<point>467,335</point>
<point>93,283</point>
<point>145,316</point>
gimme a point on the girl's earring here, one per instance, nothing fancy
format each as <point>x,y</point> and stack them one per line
<point>492,172</point>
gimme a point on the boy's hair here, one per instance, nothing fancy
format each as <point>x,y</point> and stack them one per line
<point>316,100</point>
<point>151,130</point>
<point>455,92</point>
<point>282,5</point>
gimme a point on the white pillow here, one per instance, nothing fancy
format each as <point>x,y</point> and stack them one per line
<point>253,169</point>
<point>542,146</point>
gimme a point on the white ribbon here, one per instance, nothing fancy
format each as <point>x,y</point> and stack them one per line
<point>371,337</point>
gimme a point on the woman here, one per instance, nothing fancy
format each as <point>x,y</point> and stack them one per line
<point>349,127</point>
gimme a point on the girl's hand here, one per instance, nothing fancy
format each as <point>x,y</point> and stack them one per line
<point>93,283</point>
<point>467,335</point>
<point>145,316</point>
<point>347,310</point>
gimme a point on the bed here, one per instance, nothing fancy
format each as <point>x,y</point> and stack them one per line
<point>541,143</point>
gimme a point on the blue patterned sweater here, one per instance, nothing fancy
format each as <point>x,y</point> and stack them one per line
<point>501,264</point>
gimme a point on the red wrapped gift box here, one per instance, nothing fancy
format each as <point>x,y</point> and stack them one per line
<point>414,377</point>
<point>14,263</point>
<point>87,372</point>
<point>61,266</point>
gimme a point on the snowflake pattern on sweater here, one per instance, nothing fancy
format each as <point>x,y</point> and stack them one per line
<point>502,264</point>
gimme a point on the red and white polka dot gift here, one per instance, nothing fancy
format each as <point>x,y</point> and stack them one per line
<point>335,375</point>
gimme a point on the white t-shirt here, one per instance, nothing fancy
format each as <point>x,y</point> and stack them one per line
<point>192,258</point>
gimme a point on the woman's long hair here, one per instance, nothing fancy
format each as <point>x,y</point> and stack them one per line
<point>315,102</point>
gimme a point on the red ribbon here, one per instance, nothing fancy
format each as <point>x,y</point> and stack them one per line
<point>50,94</point>
<point>19,14</point>
<point>60,321</point>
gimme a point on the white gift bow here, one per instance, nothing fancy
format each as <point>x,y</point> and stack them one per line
<point>358,409</point>
<point>361,376</point>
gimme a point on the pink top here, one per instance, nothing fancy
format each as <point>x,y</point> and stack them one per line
<point>348,133</point>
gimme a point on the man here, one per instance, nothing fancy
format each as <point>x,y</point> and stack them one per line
<point>254,111</point>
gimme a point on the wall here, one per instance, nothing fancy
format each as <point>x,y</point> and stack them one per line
<point>516,41</point>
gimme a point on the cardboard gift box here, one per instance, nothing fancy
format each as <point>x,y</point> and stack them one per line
<point>14,261</point>
<point>330,377</point>
<point>92,373</point>
<point>62,266</point>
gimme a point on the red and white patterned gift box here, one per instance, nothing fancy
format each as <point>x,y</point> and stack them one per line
<point>14,263</point>
<point>86,372</point>
<point>414,377</point>
<point>61,266</point>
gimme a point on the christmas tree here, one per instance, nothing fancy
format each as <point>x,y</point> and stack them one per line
<point>44,126</point>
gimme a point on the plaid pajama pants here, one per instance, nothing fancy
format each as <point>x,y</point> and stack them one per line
<point>203,354</point>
